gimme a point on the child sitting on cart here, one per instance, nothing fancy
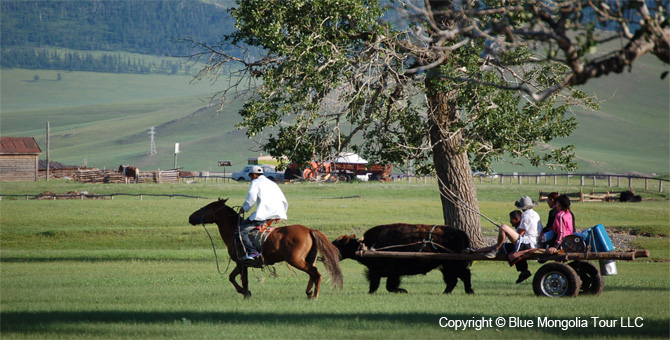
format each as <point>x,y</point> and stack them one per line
<point>523,236</point>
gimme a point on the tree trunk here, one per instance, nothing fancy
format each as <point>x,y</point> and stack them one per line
<point>452,167</point>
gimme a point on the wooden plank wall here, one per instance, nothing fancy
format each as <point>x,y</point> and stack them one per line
<point>18,167</point>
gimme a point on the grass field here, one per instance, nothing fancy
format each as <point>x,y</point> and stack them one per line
<point>129,268</point>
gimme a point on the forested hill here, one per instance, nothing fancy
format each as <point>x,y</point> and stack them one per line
<point>139,26</point>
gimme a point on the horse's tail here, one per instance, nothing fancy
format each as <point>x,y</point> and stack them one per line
<point>330,254</point>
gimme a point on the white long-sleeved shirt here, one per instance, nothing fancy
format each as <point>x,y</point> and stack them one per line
<point>269,199</point>
<point>530,221</point>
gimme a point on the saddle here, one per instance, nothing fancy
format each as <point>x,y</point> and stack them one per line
<point>258,236</point>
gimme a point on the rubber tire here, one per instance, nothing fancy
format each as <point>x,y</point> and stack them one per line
<point>592,282</point>
<point>556,280</point>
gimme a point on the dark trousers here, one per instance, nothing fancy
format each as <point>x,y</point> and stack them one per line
<point>509,248</point>
<point>243,231</point>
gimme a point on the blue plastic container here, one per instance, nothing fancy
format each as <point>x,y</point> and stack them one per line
<point>597,239</point>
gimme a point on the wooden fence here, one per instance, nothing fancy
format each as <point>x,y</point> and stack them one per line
<point>620,180</point>
<point>84,196</point>
<point>113,176</point>
<point>582,178</point>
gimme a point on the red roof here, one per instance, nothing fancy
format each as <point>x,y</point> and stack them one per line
<point>19,145</point>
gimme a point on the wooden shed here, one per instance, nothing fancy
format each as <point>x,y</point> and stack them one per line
<point>19,159</point>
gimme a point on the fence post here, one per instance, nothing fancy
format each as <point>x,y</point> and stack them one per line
<point>618,182</point>
<point>609,181</point>
<point>594,180</point>
<point>581,180</point>
<point>555,180</point>
<point>660,185</point>
<point>646,184</point>
<point>630,182</point>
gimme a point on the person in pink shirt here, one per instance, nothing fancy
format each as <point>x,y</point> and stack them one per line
<point>564,224</point>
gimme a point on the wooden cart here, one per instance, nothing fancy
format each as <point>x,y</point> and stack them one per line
<point>559,278</point>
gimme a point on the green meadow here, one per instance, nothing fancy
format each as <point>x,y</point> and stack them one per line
<point>103,119</point>
<point>130,268</point>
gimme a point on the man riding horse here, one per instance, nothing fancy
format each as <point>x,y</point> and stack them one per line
<point>270,204</point>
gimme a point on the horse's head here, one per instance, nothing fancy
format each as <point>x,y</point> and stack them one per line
<point>348,245</point>
<point>212,213</point>
<point>121,168</point>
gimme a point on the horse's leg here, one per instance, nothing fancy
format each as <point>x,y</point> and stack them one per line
<point>244,289</point>
<point>231,278</point>
<point>245,282</point>
<point>393,284</point>
<point>314,283</point>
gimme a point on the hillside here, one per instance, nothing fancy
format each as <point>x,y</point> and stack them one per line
<point>103,117</point>
<point>148,27</point>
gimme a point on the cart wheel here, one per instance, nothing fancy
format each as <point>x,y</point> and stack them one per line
<point>556,280</point>
<point>589,274</point>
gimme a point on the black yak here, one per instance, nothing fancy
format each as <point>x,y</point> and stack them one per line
<point>402,237</point>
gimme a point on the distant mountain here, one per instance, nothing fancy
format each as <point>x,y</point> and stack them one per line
<point>139,26</point>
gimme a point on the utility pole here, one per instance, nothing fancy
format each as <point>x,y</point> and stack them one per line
<point>48,149</point>
<point>152,148</point>
<point>176,152</point>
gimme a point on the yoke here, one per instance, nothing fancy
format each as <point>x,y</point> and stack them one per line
<point>554,279</point>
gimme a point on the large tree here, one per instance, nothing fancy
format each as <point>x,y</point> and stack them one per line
<point>448,86</point>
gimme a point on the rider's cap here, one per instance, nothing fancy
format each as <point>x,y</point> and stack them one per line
<point>256,170</point>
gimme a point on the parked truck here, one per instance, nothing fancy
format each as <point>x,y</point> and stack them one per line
<point>347,167</point>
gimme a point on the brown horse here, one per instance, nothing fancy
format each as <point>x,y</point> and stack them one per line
<point>295,244</point>
<point>130,171</point>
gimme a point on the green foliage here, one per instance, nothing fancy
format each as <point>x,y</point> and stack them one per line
<point>334,79</point>
<point>500,124</point>
<point>149,27</point>
<point>311,43</point>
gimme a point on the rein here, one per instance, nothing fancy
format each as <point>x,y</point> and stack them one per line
<point>424,242</point>
<point>461,202</point>
<point>202,221</point>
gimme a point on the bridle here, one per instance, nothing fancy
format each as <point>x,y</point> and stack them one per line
<point>214,213</point>
<point>202,221</point>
